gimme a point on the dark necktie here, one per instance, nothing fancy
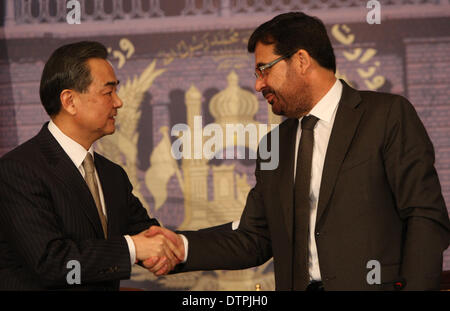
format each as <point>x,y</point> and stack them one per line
<point>89,170</point>
<point>302,204</point>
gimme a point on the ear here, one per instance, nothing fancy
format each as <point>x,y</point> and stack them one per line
<point>305,60</point>
<point>68,99</point>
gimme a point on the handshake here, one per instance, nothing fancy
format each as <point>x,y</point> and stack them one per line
<point>158,249</point>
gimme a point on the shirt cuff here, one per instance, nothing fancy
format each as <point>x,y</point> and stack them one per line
<point>131,248</point>
<point>186,245</point>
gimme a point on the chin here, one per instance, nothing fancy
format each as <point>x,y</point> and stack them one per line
<point>278,113</point>
<point>277,110</point>
<point>109,131</point>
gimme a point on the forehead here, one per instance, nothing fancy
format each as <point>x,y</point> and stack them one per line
<point>264,53</point>
<point>101,71</point>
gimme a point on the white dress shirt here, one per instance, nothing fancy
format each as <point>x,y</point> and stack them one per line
<point>325,111</point>
<point>77,154</point>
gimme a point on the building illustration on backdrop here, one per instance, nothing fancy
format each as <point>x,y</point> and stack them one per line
<point>192,47</point>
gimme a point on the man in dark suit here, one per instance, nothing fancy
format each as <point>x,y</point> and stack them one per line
<point>60,202</point>
<point>355,184</point>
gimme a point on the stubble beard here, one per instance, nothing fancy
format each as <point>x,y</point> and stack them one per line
<point>298,103</point>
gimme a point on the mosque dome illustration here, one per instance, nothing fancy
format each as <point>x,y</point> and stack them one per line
<point>234,104</point>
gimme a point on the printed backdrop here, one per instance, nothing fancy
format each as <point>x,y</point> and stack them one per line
<point>178,59</point>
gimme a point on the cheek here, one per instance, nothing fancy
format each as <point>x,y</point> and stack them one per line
<point>103,107</point>
<point>97,112</point>
<point>281,81</point>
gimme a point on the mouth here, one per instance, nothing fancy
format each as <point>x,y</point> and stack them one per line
<point>269,96</point>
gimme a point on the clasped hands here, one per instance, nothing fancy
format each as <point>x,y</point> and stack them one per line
<point>159,249</point>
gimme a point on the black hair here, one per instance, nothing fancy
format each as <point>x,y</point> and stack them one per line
<point>293,31</point>
<point>67,68</point>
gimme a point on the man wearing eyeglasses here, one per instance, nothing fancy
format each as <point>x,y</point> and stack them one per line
<point>355,183</point>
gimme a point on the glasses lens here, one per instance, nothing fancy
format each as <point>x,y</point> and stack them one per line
<point>259,74</point>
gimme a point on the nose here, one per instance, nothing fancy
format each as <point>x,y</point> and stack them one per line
<point>117,101</point>
<point>259,84</point>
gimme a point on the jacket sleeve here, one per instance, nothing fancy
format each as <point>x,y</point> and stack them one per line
<point>139,219</point>
<point>226,249</point>
<point>409,164</point>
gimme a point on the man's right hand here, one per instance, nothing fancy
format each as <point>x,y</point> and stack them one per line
<point>151,264</point>
<point>157,251</point>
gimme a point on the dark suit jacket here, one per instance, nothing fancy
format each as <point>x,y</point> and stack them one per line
<point>380,199</point>
<point>48,217</point>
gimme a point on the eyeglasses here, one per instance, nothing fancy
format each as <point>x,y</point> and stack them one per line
<point>260,71</point>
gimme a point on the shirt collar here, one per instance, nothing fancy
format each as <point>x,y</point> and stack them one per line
<point>74,150</point>
<point>326,107</point>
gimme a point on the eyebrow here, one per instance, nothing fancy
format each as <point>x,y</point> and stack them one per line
<point>112,83</point>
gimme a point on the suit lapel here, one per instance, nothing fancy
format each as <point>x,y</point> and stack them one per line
<point>286,175</point>
<point>344,128</point>
<point>69,175</point>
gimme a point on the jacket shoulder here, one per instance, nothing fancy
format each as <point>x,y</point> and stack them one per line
<point>381,100</point>
<point>25,152</point>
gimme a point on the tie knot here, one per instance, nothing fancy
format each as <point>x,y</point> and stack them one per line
<point>308,122</point>
<point>88,164</point>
